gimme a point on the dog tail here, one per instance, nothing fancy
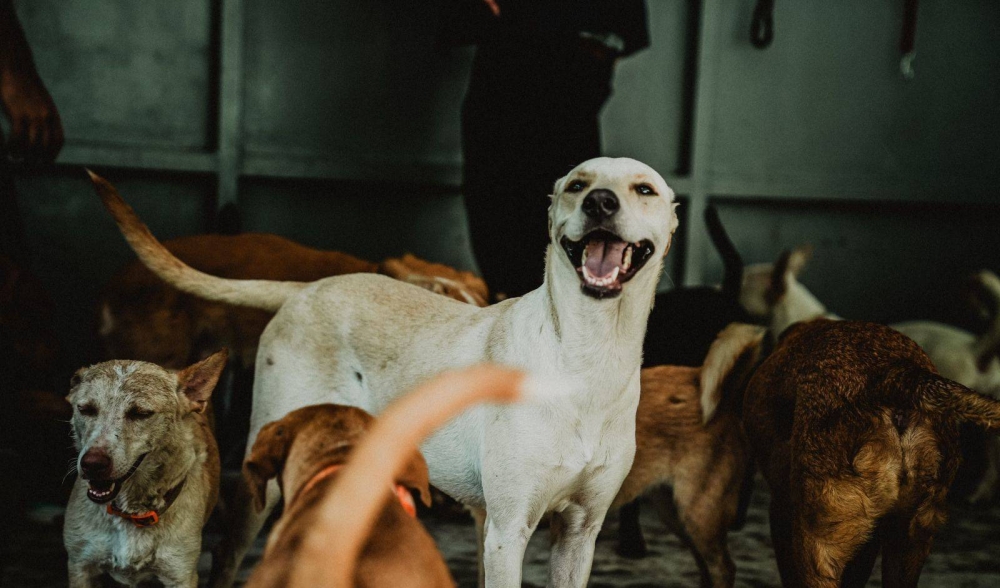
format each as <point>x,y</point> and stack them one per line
<point>732,263</point>
<point>348,513</point>
<point>263,294</point>
<point>940,394</point>
<point>732,356</point>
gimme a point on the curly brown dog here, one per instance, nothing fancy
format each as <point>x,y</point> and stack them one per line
<point>857,436</point>
<point>339,526</point>
<point>691,455</point>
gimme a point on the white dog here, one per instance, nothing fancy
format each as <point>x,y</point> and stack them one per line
<point>774,294</point>
<point>364,340</point>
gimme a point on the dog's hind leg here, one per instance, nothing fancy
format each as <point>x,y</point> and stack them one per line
<point>987,488</point>
<point>907,544</point>
<point>859,569</point>
<point>244,523</point>
<point>631,543</point>
<point>700,519</point>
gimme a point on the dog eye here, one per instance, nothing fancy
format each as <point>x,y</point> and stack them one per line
<point>576,186</point>
<point>645,190</point>
<point>87,409</point>
<point>137,414</point>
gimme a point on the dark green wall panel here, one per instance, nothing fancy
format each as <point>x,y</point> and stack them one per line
<point>826,101</point>
<point>124,72</point>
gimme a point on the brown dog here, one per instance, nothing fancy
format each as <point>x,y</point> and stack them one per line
<point>339,527</point>
<point>857,436</point>
<point>141,317</point>
<point>691,453</point>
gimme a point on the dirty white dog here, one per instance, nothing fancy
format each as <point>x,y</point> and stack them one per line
<point>774,294</point>
<point>149,472</point>
<point>364,340</point>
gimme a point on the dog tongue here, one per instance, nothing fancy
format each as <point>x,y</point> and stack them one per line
<point>604,256</point>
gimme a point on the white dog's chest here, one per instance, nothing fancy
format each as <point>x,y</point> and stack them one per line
<point>128,557</point>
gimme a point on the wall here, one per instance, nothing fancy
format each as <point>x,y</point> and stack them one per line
<point>336,123</point>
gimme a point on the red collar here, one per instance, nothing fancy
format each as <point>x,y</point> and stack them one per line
<point>150,517</point>
<point>401,492</point>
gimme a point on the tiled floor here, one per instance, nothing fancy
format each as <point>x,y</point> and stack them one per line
<point>966,554</point>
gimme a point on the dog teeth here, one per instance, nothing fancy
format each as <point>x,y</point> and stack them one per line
<point>601,282</point>
<point>627,259</point>
<point>583,259</point>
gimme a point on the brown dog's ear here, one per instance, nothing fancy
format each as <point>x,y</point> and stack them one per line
<point>415,477</point>
<point>266,459</point>
<point>197,382</point>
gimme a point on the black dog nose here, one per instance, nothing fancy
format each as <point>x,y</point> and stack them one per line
<point>600,204</point>
<point>96,464</point>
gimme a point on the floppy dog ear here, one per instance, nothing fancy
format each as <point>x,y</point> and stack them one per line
<point>415,477</point>
<point>197,382</point>
<point>266,459</point>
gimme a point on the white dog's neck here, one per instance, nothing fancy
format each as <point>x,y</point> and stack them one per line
<point>597,337</point>
<point>164,468</point>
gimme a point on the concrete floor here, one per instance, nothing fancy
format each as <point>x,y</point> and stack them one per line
<point>966,553</point>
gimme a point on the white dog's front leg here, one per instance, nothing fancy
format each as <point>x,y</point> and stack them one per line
<point>503,549</point>
<point>574,536</point>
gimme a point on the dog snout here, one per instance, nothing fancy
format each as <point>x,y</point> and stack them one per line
<point>601,204</point>
<point>95,464</point>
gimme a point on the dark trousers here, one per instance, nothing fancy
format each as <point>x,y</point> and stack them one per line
<point>530,116</point>
<point>12,243</point>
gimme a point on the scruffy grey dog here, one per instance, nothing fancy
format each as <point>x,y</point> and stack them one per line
<point>148,472</point>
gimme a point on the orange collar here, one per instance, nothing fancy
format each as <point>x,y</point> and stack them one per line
<point>401,492</point>
<point>150,517</point>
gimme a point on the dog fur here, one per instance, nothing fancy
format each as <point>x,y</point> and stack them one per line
<point>682,326</point>
<point>685,321</point>
<point>971,361</point>
<point>363,341</point>
<point>857,436</point>
<point>147,425</point>
<point>775,294</point>
<point>691,456</point>
<point>341,531</point>
<point>142,317</point>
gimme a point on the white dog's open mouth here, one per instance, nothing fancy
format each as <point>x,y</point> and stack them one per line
<point>102,491</point>
<point>605,262</point>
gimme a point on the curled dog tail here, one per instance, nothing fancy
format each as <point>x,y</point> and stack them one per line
<point>348,513</point>
<point>733,354</point>
<point>263,294</point>
<point>732,263</point>
<point>942,394</point>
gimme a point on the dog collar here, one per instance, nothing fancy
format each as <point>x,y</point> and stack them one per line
<point>150,517</point>
<point>402,492</point>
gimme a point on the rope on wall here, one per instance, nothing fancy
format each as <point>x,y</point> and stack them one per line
<point>907,40</point>
<point>762,24</point>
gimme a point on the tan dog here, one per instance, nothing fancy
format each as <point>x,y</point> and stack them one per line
<point>338,528</point>
<point>691,453</point>
<point>142,317</point>
<point>857,436</point>
<point>149,472</point>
